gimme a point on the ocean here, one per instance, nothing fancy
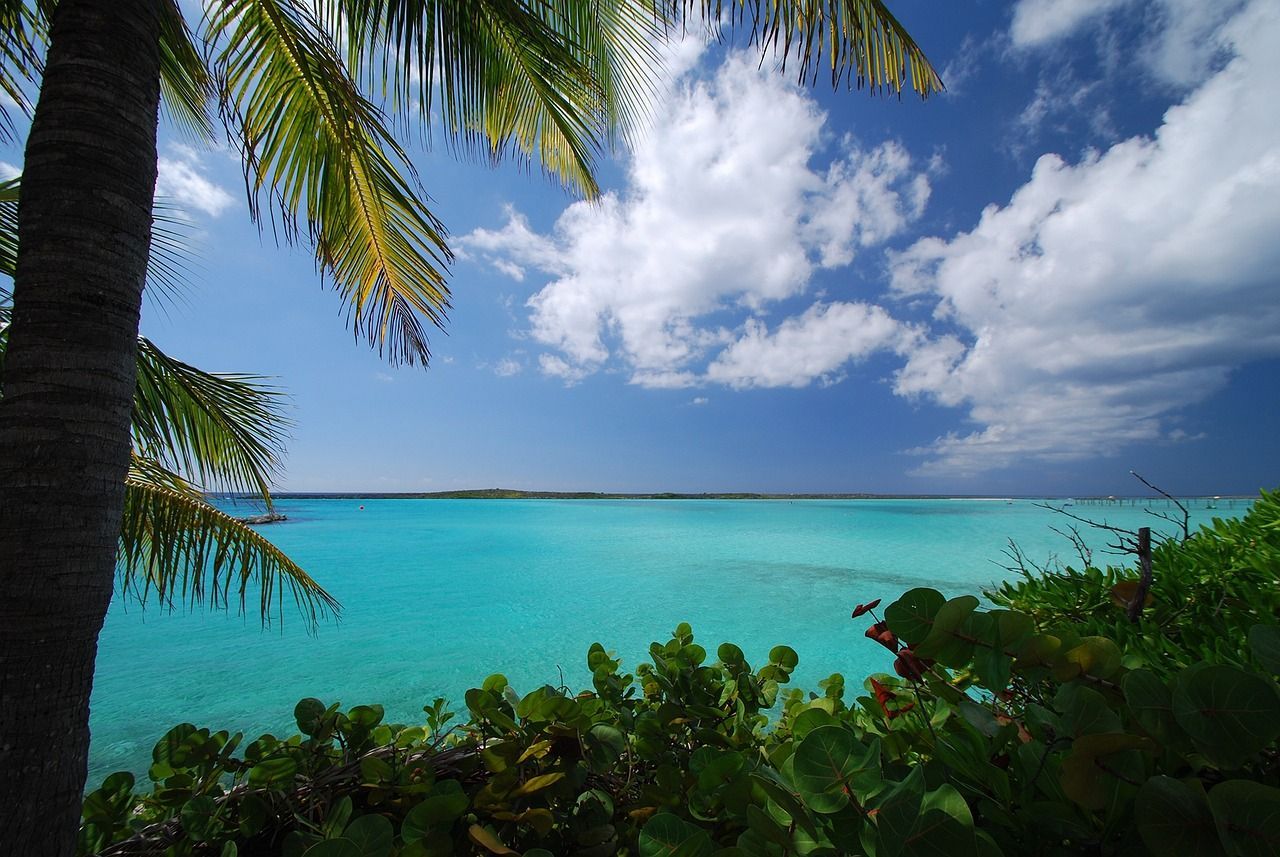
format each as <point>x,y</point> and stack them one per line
<point>438,594</point>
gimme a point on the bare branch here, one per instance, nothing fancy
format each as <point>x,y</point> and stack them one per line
<point>1186,516</point>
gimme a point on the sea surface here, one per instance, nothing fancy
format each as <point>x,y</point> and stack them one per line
<point>438,594</point>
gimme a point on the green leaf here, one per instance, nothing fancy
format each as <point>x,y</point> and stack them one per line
<point>1248,817</point>
<point>1000,632</point>
<point>1174,819</point>
<point>488,840</point>
<point>372,835</point>
<point>667,835</point>
<point>437,810</point>
<point>1095,656</point>
<point>605,745</point>
<point>897,813</point>
<point>1099,763</point>
<point>943,642</point>
<point>945,827</point>
<point>784,656</point>
<point>808,720</point>
<point>911,616</point>
<point>333,848</point>
<point>1085,711</point>
<point>273,770</point>
<point>829,764</point>
<point>108,803</point>
<point>538,783</point>
<point>1151,702</point>
<point>199,818</point>
<point>307,714</point>
<point>1231,714</point>
<point>1264,642</point>
<point>173,541</point>
<point>338,818</point>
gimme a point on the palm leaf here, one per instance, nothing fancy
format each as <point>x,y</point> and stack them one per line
<point>321,153</point>
<point>9,226</point>
<point>186,87</point>
<point>224,431</point>
<point>550,80</point>
<point>863,42</point>
<point>23,31</point>
<point>176,544</point>
<point>168,263</point>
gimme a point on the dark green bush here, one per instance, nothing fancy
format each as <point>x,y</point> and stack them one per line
<point>1049,725</point>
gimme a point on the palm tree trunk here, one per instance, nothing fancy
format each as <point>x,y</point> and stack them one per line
<point>84,228</point>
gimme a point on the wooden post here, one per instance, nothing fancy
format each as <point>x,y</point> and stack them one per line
<point>1144,582</point>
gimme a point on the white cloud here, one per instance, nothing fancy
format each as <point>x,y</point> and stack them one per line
<point>699,400</point>
<point>1107,294</point>
<point>181,178</point>
<point>1038,22</point>
<point>814,345</point>
<point>9,171</point>
<point>1179,48</point>
<point>506,367</point>
<point>726,212</point>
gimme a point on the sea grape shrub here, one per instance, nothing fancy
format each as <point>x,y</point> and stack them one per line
<point>1210,591</point>
<point>1039,731</point>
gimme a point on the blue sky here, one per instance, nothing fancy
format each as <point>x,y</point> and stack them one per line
<point>1062,269</point>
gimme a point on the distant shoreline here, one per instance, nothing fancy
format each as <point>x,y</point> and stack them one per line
<point>512,494</point>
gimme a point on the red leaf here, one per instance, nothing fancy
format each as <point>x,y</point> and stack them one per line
<point>898,712</point>
<point>864,608</point>
<point>881,634</point>
<point>907,665</point>
<point>883,694</point>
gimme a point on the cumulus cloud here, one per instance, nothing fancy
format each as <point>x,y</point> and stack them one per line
<point>814,345</point>
<point>1179,47</point>
<point>1111,292</point>
<point>1037,22</point>
<point>182,179</point>
<point>728,209</point>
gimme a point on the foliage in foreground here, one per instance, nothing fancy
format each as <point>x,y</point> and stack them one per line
<point>1049,725</point>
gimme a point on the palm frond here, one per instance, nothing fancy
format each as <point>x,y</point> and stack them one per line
<point>172,260</point>
<point>9,226</point>
<point>224,431</point>
<point>864,44</point>
<point>168,263</point>
<point>321,154</point>
<point>176,544</point>
<point>186,87</point>
<point>551,80</point>
<point>23,32</point>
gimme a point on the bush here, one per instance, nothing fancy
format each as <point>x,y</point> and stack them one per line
<point>1047,725</point>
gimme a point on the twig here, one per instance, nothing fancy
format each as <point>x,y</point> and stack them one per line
<point>1186,516</point>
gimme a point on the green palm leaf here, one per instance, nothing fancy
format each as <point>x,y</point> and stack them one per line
<point>9,227</point>
<point>551,80</point>
<point>168,263</point>
<point>186,87</point>
<point>320,151</point>
<point>22,39</point>
<point>176,544</point>
<point>224,431</point>
<point>864,44</point>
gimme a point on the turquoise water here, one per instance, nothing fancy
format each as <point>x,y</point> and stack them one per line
<point>438,594</point>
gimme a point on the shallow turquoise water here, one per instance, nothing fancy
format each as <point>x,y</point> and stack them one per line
<point>438,594</point>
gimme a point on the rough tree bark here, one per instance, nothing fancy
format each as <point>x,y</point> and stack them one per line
<point>84,227</point>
